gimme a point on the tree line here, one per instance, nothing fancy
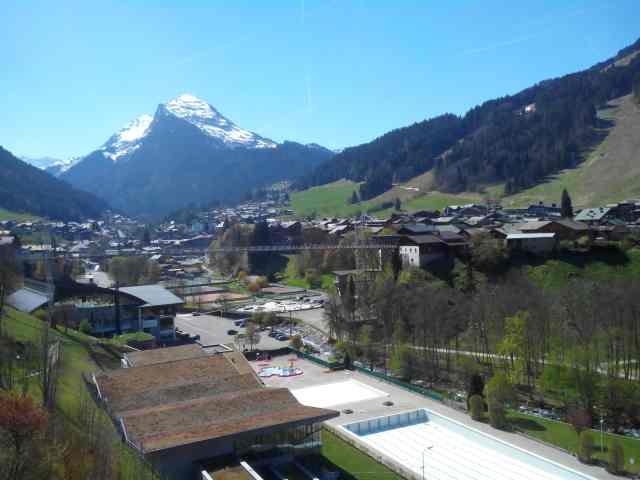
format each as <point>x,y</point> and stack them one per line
<point>578,346</point>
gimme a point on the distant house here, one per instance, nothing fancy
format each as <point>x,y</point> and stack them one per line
<point>535,243</point>
<point>593,216</point>
<point>415,229</point>
<point>564,229</point>
<point>420,250</point>
<point>542,210</point>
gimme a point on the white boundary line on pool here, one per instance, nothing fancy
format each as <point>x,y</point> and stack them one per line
<point>429,412</point>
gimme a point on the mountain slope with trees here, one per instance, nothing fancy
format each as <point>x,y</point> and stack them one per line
<point>518,140</point>
<point>27,189</point>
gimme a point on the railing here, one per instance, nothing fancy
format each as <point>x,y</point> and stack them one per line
<point>407,386</point>
<point>306,246</point>
<point>319,361</point>
<point>380,376</point>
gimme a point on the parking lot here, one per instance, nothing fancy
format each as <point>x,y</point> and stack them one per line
<point>213,331</point>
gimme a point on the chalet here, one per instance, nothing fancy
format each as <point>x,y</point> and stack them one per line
<point>535,243</point>
<point>421,250</point>
<point>564,229</point>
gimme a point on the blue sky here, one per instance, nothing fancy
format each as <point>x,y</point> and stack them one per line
<point>338,73</point>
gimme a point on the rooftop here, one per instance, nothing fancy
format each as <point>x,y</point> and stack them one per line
<point>161,355</point>
<point>153,295</point>
<point>169,404</point>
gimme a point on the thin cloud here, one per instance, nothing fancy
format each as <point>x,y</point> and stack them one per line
<point>506,43</point>
<point>548,22</point>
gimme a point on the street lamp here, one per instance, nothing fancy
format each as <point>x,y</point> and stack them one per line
<point>423,452</point>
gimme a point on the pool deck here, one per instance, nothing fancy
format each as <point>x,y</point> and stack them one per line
<point>404,400</point>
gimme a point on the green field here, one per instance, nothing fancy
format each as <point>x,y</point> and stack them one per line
<point>564,436</point>
<point>18,217</point>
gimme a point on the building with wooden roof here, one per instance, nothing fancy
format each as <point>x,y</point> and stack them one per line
<point>183,412</point>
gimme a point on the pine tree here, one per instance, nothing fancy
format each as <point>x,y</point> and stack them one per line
<point>566,207</point>
<point>354,197</point>
<point>398,204</point>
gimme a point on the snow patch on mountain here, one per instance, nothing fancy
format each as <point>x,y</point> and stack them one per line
<point>202,115</point>
<point>127,139</point>
<point>64,165</point>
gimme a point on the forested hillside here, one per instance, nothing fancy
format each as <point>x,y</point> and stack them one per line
<point>27,189</point>
<point>518,140</point>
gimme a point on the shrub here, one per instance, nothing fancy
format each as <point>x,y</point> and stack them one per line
<point>85,327</point>
<point>585,446</point>
<point>615,460</point>
<point>497,416</point>
<point>476,407</point>
<point>296,342</point>
<point>499,393</point>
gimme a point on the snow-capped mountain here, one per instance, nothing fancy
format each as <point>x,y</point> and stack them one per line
<point>187,152</point>
<point>58,167</point>
<point>128,138</point>
<point>202,115</point>
<point>40,162</point>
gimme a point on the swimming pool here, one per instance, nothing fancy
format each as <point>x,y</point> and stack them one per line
<point>450,450</point>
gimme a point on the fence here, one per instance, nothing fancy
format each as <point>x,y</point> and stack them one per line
<point>407,386</point>
<point>319,361</point>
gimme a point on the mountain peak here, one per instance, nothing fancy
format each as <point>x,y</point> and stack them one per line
<point>127,139</point>
<point>202,115</point>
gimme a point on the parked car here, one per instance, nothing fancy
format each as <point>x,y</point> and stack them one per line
<point>194,337</point>
<point>232,332</point>
<point>196,314</point>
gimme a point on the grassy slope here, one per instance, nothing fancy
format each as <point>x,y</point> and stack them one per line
<point>332,199</point>
<point>564,436</point>
<point>610,172</point>
<point>76,360</point>
<point>325,200</point>
<point>75,357</point>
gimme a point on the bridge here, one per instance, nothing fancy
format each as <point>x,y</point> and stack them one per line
<point>306,246</point>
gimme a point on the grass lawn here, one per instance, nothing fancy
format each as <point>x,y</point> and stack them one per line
<point>355,464</point>
<point>563,435</point>
<point>327,282</point>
